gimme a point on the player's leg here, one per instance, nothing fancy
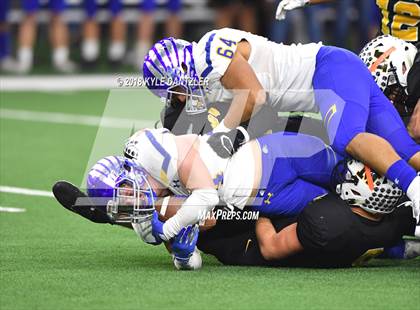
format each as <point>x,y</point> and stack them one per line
<point>145,31</point>
<point>385,121</point>
<point>116,48</point>
<point>59,36</point>
<point>6,61</point>
<point>27,35</point>
<point>90,43</point>
<point>173,22</point>
<point>343,90</point>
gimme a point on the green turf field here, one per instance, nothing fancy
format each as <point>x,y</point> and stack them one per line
<point>53,259</point>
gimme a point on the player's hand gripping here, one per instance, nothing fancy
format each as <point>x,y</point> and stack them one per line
<point>413,192</point>
<point>157,228</point>
<point>183,244</point>
<point>225,144</point>
<point>288,5</point>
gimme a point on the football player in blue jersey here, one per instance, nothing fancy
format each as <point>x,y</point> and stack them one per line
<point>359,119</point>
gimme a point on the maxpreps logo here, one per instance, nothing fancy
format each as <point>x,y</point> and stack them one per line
<point>229,215</point>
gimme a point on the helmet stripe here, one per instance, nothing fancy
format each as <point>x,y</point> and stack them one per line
<point>161,150</point>
<point>105,166</point>
<point>159,58</point>
<point>176,52</point>
<point>154,69</point>
<point>98,171</point>
<point>369,177</point>
<point>116,164</point>
<point>381,58</point>
<point>167,48</point>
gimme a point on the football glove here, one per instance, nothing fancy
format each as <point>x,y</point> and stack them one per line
<point>225,144</point>
<point>183,244</point>
<point>288,5</point>
<point>157,228</point>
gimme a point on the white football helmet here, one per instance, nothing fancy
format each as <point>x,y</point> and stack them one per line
<point>366,189</point>
<point>389,59</point>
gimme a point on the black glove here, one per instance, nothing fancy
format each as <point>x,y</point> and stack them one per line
<point>225,144</point>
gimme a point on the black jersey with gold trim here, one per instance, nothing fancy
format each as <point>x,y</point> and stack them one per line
<point>401,19</point>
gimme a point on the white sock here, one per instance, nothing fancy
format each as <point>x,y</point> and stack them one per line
<point>25,58</point>
<point>116,50</point>
<point>60,55</point>
<point>90,49</point>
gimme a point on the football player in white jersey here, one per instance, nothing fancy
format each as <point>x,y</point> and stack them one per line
<point>276,175</point>
<point>359,119</point>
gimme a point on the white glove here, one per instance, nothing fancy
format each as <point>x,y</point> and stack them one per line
<point>413,192</point>
<point>144,231</point>
<point>288,5</point>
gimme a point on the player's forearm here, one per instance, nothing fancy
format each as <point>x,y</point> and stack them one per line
<point>265,234</point>
<point>241,79</point>
<point>277,245</point>
<point>195,207</point>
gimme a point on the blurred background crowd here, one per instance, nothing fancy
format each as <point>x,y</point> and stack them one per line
<point>69,36</point>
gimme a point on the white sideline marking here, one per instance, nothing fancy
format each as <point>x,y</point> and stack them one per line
<point>25,191</point>
<point>52,83</point>
<point>73,119</point>
<point>12,210</point>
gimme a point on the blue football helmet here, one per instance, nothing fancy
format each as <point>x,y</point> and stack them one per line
<point>125,187</point>
<point>169,72</point>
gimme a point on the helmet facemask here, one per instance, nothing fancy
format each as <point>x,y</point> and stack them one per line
<point>133,198</point>
<point>186,84</point>
<point>397,93</point>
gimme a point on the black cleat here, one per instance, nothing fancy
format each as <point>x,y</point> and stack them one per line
<point>73,199</point>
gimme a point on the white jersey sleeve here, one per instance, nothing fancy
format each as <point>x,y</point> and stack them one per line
<point>155,150</point>
<point>212,56</point>
<point>284,71</point>
<point>214,52</point>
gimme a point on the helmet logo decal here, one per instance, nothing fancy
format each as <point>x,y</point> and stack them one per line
<point>381,58</point>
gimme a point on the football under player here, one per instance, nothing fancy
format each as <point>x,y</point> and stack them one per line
<point>359,119</point>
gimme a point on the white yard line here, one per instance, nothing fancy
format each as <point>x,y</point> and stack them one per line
<point>73,119</point>
<point>12,210</point>
<point>25,191</point>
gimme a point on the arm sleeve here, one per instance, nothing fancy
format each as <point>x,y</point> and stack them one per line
<point>197,204</point>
